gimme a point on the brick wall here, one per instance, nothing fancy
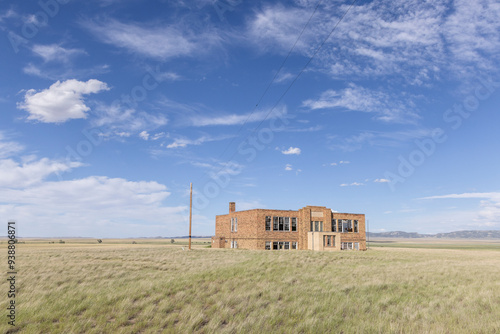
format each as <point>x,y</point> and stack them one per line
<point>251,229</point>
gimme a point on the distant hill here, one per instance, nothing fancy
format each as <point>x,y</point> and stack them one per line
<point>492,234</point>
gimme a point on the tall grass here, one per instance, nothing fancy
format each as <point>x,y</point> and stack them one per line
<point>158,288</point>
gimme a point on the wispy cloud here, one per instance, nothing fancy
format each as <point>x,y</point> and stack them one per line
<point>153,41</point>
<point>8,148</point>
<point>184,142</point>
<point>352,184</point>
<point>424,38</point>
<point>55,52</point>
<point>61,102</point>
<point>387,107</point>
<point>377,138</point>
<point>115,119</point>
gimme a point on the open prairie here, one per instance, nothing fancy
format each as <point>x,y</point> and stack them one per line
<point>154,286</point>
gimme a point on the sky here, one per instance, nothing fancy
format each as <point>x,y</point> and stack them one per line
<point>110,109</point>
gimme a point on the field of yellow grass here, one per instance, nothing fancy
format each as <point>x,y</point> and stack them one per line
<point>157,287</point>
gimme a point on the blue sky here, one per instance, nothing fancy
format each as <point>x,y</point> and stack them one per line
<point>111,108</point>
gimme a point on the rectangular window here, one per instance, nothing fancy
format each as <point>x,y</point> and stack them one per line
<point>356,226</point>
<point>334,225</point>
<point>275,224</point>
<point>294,224</point>
<point>232,226</point>
<point>294,245</point>
<point>287,224</point>
<point>275,245</point>
<point>356,245</point>
<point>339,225</point>
<point>346,225</point>
<point>235,224</point>
<point>327,242</point>
<point>317,226</point>
<point>268,223</point>
<point>281,224</point>
<point>287,245</point>
<point>268,245</point>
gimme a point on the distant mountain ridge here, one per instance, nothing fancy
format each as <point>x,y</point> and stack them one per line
<point>491,234</point>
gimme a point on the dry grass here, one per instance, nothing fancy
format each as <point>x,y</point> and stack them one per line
<point>153,288</point>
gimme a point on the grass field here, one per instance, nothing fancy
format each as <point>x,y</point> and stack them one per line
<point>155,287</point>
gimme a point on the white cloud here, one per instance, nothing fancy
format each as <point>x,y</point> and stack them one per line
<point>184,142</point>
<point>351,184</point>
<point>424,37</point>
<point>115,119</point>
<point>344,162</point>
<point>382,139</point>
<point>292,150</point>
<point>8,148</point>
<point>16,175</point>
<point>144,135</point>
<point>61,102</point>
<point>54,52</point>
<point>161,43</point>
<point>288,167</point>
<point>487,214</point>
<point>381,181</point>
<point>388,108</point>
<point>235,119</point>
<point>94,206</point>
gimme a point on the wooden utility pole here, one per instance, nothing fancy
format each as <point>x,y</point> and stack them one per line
<point>190,211</point>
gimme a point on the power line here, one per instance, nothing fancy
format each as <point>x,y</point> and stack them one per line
<point>296,77</point>
<point>274,78</point>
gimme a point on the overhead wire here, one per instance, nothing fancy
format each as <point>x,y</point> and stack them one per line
<point>294,80</point>
<point>273,79</point>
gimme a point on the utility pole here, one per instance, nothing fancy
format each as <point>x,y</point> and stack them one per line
<point>190,211</point>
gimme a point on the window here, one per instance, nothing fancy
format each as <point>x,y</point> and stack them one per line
<point>356,245</point>
<point>283,224</point>
<point>281,245</point>
<point>317,226</point>
<point>334,225</point>
<point>345,225</point>
<point>347,245</point>
<point>234,244</point>
<point>234,224</point>
<point>268,223</point>
<point>356,228</point>
<point>329,241</point>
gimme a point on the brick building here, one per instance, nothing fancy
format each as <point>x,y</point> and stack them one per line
<point>312,227</point>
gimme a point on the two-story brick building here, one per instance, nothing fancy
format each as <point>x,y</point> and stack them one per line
<point>312,227</point>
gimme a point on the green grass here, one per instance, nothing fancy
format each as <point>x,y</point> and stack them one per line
<point>113,288</point>
<point>437,245</point>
